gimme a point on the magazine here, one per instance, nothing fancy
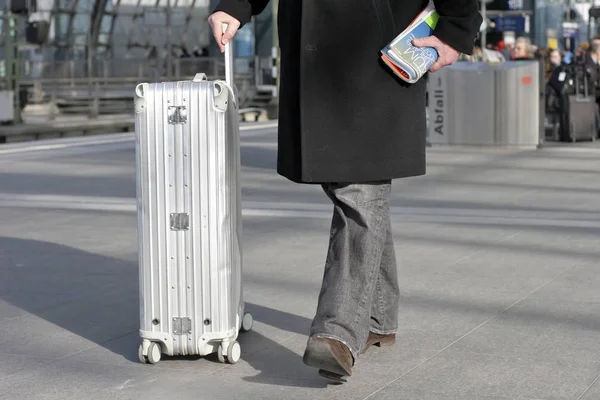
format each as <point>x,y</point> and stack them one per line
<point>410,63</point>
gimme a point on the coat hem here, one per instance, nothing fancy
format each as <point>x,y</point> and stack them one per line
<point>402,173</point>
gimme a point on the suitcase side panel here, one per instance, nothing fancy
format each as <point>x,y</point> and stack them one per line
<point>154,248</point>
<point>178,216</point>
<point>216,160</point>
<point>201,240</point>
<point>163,184</point>
<point>191,169</point>
<point>233,148</point>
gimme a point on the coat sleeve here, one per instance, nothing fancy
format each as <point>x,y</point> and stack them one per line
<point>242,10</point>
<point>458,24</point>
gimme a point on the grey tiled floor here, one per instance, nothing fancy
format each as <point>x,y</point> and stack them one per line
<point>499,264</point>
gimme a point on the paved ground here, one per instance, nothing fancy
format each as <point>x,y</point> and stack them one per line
<point>499,256</point>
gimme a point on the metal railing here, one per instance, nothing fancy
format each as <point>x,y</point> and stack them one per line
<point>132,68</point>
<point>107,86</point>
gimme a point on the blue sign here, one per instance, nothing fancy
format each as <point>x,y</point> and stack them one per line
<point>511,23</point>
<point>570,29</point>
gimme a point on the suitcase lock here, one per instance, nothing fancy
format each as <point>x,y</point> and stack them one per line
<point>177,115</point>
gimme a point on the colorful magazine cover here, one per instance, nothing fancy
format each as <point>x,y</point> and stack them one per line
<point>410,63</point>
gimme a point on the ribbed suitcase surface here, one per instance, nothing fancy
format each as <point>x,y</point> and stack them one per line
<point>189,220</point>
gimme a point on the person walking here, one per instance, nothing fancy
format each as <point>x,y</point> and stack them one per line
<point>348,124</point>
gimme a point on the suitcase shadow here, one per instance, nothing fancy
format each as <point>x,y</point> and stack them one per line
<point>279,319</point>
<point>71,297</point>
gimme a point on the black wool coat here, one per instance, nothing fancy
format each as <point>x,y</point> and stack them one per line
<point>343,116</point>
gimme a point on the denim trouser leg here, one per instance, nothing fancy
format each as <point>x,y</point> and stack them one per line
<point>359,235</point>
<point>386,296</point>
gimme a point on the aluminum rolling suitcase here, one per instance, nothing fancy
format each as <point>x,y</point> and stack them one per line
<point>189,218</point>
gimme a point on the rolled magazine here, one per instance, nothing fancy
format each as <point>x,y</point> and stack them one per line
<point>407,61</point>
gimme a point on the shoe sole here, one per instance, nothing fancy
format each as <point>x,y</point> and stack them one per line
<point>319,355</point>
<point>381,343</point>
<point>337,378</point>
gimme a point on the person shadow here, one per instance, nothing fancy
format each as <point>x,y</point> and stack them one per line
<point>277,363</point>
<point>82,295</point>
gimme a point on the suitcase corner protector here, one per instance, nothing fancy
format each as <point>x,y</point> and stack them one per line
<point>141,89</point>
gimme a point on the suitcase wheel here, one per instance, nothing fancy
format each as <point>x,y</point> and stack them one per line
<point>141,355</point>
<point>153,355</point>
<point>234,353</point>
<point>220,354</point>
<point>247,322</point>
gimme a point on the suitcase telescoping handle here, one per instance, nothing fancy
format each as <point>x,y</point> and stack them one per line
<point>228,61</point>
<point>585,85</point>
<point>228,64</point>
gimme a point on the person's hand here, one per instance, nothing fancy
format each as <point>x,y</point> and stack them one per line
<point>216,21</point>
<point>446,54</point>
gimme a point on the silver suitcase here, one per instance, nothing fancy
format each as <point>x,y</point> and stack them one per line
<point>189,218</point>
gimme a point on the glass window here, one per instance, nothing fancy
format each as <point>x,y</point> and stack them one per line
<point>106,23</point>
<point>178,16</point>
<point>85,6</point>
<point>154,16</point>
<point>80,40</point>
<point>81,24</point>
<point>138,35</point>
<point>65,4</point>
<point>123,25</point>
<point>61,24</point>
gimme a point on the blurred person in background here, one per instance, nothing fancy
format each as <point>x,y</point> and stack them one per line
<point>595,39</point>
<point>592,66</point>
<point>540,53</point>
<point>559,83</point>
<point>568,57</point>
<point>477,55</point>
<point>508,47</point>
<point>593,55</point>
<point>524,50</point>
<point>500,46</point>
<point>553,60</point>
<point>554,85</point>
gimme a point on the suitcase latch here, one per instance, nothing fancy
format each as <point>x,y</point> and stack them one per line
<point>182,326</point>
<point>177,115</point>
<point>180,221</point>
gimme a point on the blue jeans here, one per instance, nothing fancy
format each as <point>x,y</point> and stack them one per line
<point>360,290</point>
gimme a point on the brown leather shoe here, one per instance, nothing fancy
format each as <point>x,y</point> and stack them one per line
<point>331,356</point>
<point>376,339</point>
